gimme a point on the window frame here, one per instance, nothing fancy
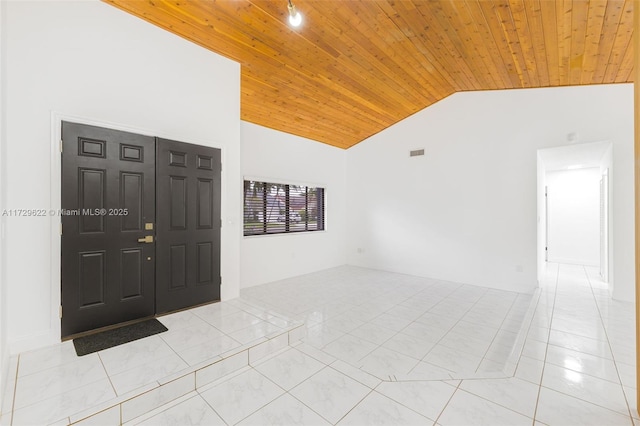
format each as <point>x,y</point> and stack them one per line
<point>321,207</point>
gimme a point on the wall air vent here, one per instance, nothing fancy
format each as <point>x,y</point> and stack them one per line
<point>416,153</point>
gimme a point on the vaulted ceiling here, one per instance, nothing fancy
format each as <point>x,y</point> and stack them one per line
<point>356,67</point>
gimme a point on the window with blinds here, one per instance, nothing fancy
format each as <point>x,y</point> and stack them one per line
<point>275,208</point>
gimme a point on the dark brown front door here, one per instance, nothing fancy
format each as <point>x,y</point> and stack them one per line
<point>108,195</point>
<point>188,209</point>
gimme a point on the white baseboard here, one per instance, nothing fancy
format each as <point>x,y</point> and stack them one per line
<point>35,341</point>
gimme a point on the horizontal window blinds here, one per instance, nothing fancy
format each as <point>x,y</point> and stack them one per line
<point>275,208</point>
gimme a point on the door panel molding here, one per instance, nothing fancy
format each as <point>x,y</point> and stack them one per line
<point>204,203</point>
<point>133,221</point>
<point>189,217</point>
<point>52,334</point>
<point>132,274</point>
<point>118,285</point>
<point>88,280</point>
<point>178,199</point>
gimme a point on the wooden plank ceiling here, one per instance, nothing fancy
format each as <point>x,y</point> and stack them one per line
<point>355,67</point>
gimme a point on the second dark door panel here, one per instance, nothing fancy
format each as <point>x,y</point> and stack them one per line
<point>188,225</point>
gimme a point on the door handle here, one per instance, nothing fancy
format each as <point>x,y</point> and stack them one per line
<point>148,239</point>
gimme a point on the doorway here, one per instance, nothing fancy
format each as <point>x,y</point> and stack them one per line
<point>140,229</point>
<point>573,220</point>
<point>574,205</point>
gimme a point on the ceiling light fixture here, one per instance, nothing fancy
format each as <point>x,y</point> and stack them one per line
<point>295,19</point>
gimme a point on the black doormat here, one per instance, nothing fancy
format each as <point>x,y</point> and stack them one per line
<point>117,336</point>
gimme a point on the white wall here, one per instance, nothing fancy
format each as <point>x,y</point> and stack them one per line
<point>275,156</point>
<point>574,216</point>
<point>4,347</point>
<point>92,61</point>
<point>466,211</point>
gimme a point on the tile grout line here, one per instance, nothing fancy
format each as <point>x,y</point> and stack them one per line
<point>400,331</point>
<point>379,345</point>
<point>409,408</point>
<point>223,334</point>
<point>267,403</point>
<point>15,391</point>
<point>107,374</point>
<point>449,331</point>
<point>303,403</point>
<point>443,336</point>
<point>484,357</point>
<point>572,396</point>
<point>365,323</point>
<point>172,349</point>
<point>448,402</point>
<point>159,410</point>
<point>288,392</point>
<point>507,378</point>
<point>544,362</point>
<point>400,403</point>
<point>356,404</point>
<point>351,377</point>
<point>493,402</point>
<point>346,375</point>
<point>210,406</point>
<point>250,368</point>
<point>515,370</point>
<point>615,364</point>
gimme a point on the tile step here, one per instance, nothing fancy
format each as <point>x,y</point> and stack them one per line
<point>136,403</point>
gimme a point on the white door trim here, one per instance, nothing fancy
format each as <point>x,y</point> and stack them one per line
<point>54,334</point>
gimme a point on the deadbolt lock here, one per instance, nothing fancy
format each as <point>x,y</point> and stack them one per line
<point>148,226</point>
<point>148,239</point>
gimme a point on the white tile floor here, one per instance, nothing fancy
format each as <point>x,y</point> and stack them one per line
<point>397,326</point>
<point>53,383</point>
<point>381,348</point>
